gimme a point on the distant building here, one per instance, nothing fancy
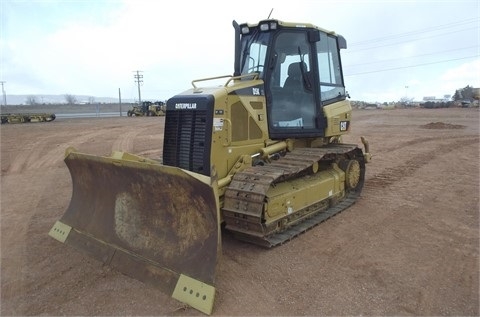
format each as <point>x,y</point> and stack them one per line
<point>435,99</point>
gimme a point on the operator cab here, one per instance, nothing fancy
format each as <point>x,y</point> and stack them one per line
<point>301,68</point>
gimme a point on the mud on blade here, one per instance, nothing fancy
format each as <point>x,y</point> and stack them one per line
<point>156,223</point>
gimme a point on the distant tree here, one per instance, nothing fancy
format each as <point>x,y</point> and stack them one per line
<point>31,100</point>
<point>457,95</point>
<point>91,100</point>
<point>70,99</point>
<point>463,94</point>
<point>406,101</point>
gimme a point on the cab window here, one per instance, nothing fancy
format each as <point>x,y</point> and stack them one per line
<point>292,104</point>
<point>331,82</point>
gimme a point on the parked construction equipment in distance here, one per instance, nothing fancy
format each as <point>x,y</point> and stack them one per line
<point>27,117</point>
<point>148,108</point>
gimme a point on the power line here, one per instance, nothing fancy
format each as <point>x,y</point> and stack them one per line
<point>411,66</point>
<point>451,30</point>
<point>411,40</point>
<point>415,32</point>
<point>410,57</point>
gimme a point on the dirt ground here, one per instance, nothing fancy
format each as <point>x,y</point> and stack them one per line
<point>409,246</point>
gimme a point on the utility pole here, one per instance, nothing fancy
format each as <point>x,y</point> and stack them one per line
<point>120,101</point>
<point>4,94</point>
<point>139,80</point>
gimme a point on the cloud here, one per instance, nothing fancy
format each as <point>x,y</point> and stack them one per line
<point>93,47</point>
<point>462,75</point>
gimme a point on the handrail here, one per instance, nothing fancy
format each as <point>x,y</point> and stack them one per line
<point>208,78</point>
<point>255,76</point>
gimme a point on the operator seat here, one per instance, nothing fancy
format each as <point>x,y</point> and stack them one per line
<point>296,99</point>
<point>295,81</point>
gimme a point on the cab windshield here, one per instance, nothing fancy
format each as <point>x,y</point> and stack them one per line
<point>254,52</point>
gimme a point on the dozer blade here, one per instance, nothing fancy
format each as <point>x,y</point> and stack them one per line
<point>156,223</point>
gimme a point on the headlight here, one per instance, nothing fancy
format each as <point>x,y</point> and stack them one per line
<point>269,25</point>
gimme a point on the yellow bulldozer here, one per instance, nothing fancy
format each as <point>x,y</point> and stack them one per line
<point>148,108</point>
<point>260,156</point>
<point>156,109</point>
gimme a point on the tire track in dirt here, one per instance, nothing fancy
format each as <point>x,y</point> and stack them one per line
<point>393,174</point>
<point>13,279</point>
<point>27,151</point>
<point>57,155</point>
<point>32,159</point>
<point>419,140</point>
<point>125,141</point>
<point>375,271</point>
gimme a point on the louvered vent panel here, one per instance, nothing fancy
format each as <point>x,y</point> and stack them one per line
<point>185,142</point>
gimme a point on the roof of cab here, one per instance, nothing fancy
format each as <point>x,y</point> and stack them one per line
<point>292,25</point>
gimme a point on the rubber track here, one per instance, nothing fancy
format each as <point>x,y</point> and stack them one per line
<point>245,196</point>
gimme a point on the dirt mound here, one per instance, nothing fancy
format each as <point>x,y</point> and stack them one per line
<point>442,125</point>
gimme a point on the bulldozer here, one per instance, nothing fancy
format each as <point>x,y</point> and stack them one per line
<point>260,156</point>
<point>139,110</point>
<point>156,109</point>
<point>147,108</point>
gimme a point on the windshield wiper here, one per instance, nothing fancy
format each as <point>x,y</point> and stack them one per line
<point>307,83</point>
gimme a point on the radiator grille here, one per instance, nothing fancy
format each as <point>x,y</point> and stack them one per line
<point>187,141</point>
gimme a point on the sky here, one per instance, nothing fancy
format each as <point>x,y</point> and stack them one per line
<point>395,49</point>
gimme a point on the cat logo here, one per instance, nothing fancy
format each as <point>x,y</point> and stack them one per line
<point>185,106</point>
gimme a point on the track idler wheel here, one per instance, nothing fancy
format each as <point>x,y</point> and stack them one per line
<point>352,173</point>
